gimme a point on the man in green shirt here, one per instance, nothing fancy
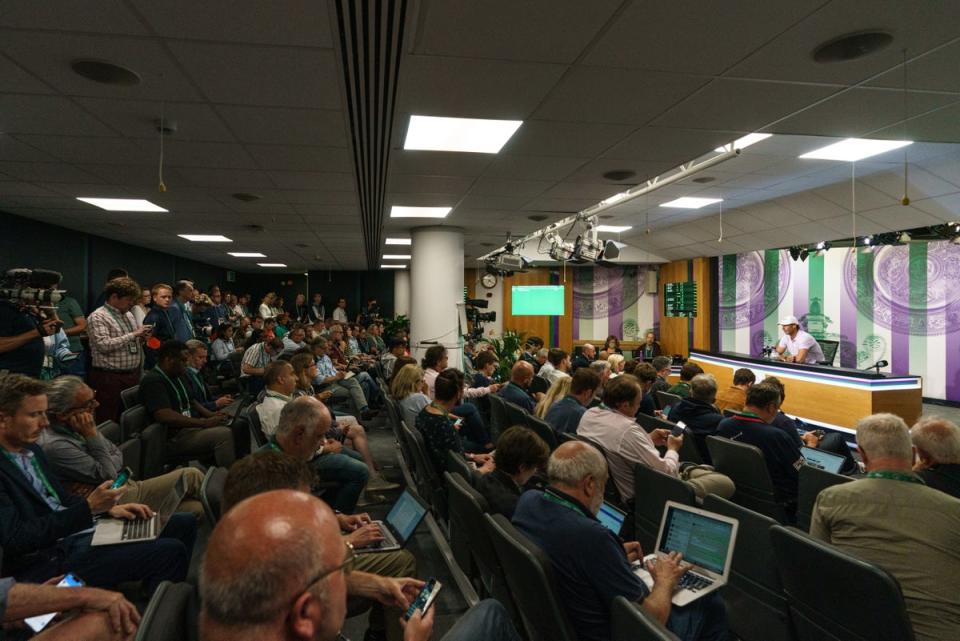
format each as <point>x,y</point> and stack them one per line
<point>687,372</point>
<point>74,325</point>
<point>892,519</point>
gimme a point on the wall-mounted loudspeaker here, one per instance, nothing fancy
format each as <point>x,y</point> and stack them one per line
<point>651,288</point>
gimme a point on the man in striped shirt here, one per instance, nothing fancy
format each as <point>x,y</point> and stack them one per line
<point>256,359</point>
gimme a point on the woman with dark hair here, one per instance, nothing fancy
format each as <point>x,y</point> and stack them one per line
<point>612,345</point>
<point>441,428</point>
<point>475,433</point>
<point>520,454</point>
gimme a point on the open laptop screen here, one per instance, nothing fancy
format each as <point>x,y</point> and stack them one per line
<point>702,540</point>
<point>405,515</point>
<point>822,460</point>
<point>611,518</point>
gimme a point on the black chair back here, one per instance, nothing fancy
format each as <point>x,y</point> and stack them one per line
<point>516,415</point>
<point>543,430</point>
<point>812,481</point>
<point>498,416</point>
<point>610,494</point>
<point>132,452</point>
<point>630,622</point>
<point>211,493</point>
<point>111,431</point>
<point>171,614</point>
<point>457,464</point>
<point>652,490</point>
<point>130,397</point>
<point>539,385</point>
<point>821,582</point>
<point>745,465</point>
<point>530,579</point>
<point>688,452</point>
<point>153,456</point>
<point>133,421</point>
<point>459,529</point>
<point>666,399</point>
<point>429,483</point>
<point>650,423</point>
<point>256,430</point>
<point>756,606</point>
<point>563,437</point>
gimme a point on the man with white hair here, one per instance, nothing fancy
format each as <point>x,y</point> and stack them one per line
<point>591,565</point>
<point>587,353</point>
<point>938,454</point>
<point>891,518</point>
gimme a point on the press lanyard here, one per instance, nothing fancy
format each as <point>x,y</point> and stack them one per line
<point>125,326</point>
<point>199,384</point>
<point>553,498</point>
<point>183,401</point>
<point>895,476</point>
<point>36,467</point>
<point>446,414</point>
<point>273,446</point>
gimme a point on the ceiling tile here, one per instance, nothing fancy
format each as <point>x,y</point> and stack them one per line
<point>942,125</point>
<point>15,79</point>
<point>232,180</point>
<point>291,158</point>
<point>101,16</point>
<point>411,184</point>
<point>506,187</point>
<point>312,180</point>
<point>12,149</point>
<point>897,217</point>
<point>83,149</point>
<point>28,114</point>
<point>532,167</point>
<point>138,119</point>
<point>46,172</point>
<point>543,138</point>
<point>278,125</point>
<point>669,145</point>
<point>934,71</point>
<point>439,163</point>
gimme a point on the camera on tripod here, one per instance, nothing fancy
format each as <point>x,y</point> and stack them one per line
<point>34,291</point>
<point>478,318</point>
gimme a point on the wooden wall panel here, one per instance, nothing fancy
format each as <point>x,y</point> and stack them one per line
<point>530,325</point>
<point>675,333</point>
<point>705,312</point>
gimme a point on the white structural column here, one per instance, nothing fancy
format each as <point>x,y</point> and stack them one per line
<point>436,286</point>
<point>401,292</point>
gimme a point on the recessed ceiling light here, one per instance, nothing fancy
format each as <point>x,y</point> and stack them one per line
<point>853,149</point>
<point>689,202</point>
<point>396,257</point>
<point>703,180</point>
<point>398,241</point>
<point>205,238</point>
<point>247,254</point>
<point>852,46</point>
<point>618,175</point>
<point>393,266</point>
<point>459,134</point>
<point>613,229</point>
<point>122,204</point>
<point>398,211</point>
<point>746,141</point>
<point>537,218</point>
<point>272,264</point>
<point>245,197</point>
<point>104,72</point>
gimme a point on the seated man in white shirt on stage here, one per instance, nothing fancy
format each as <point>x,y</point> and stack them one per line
<point>796,345</point>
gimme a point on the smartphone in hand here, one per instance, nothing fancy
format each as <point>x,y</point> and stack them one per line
<point>122,478</point>
<point>425,599</point>
<point>41,621</point>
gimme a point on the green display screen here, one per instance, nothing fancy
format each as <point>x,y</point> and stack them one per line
<point>537,300</point>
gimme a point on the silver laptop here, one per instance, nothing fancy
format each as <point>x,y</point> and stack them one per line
<point>704,539</point>
<point>112,531</point>
<point>398,527</point>
<point>821,460</point>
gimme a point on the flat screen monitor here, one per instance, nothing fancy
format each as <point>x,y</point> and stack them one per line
<point>537,300</point>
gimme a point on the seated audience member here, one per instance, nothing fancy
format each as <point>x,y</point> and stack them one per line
<point>244,329</point>
<point>592,565</point>
<point>612,426</point>
<point>196,360</point>
<point>340,361</point>
<point>520,454</point>
<point>266,306</point>
<point>280,383</point>
<point>46,532</point>
<point>217,314</point>
<point>276,569</point>
<point>602,370</point>
<point>84,459</point>
<point>270,328</point>
<point>486,364</point>
<point>300,312</point>
<point>557,391</point>
<point>556,367</point>
<point>650,347</point>
<point>317,311</point>
<point>834,442</point>
<point>564,415</point>
<point>91,614</point>
<point>283,326</point>
<point>530,350</point>
<point>403,361</point>
<point>587,353</point>
<point>735,396</point>
<point>663,366</point>
<point>612,346</point>
<point>192,430</point>
<point>302,433</point>
<point>698,413</point>
<point>616,364</point>
<point>780,453</point>
<point>646,376</point>
<point>516,390</point>
<point>891,518</point>
<point>223,346</point>
<point>475,433</point>
<point>396,347</point>
<point>255,361</point>
<point>293,341</point>
<point>116,351</point>
<point>329,378</point>
<point>687,372</point>
<point>439,426</point>
<point>409,390</point>
<point>938,454</point>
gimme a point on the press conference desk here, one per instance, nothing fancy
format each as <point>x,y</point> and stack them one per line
<point>830,396</point>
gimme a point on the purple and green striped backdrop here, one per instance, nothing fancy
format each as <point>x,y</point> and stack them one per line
<point>899,304</point>
<point>613,300</point>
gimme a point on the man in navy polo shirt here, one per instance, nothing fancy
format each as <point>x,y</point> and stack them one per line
<point>562,521</point>
<point>564,415</point>
<point>516,390</point>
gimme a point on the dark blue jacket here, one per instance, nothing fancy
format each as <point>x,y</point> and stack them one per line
<point>513,393</point>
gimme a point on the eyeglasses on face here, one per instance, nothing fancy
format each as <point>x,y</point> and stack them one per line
<point>349,562</point>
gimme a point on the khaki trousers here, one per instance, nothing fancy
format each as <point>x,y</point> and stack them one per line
<point>706,481</point>
<point>154,491</point>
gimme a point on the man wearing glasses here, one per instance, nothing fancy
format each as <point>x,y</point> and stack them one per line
<point>83,458</point>
<point>276,568</point>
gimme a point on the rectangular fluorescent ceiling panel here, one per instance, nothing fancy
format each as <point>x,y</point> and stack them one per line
<point>746,141</point>
<point>476,135</point>
<point>613,229</point>
<point>398,211</point>
<point>247,254</point>
<point>122,204</point>
<point>399,241</point>
<point>205,238</point>
<point>853,149</point>
<point>272,264</point>
<point>688,202</point>
<point>393,266</point>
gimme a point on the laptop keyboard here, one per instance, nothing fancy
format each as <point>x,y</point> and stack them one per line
<point>138,529</point>
<point>693,582</point>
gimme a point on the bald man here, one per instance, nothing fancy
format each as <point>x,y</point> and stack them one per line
<point>516,390</point>
<point>937,442</point>
<point>276,569</point>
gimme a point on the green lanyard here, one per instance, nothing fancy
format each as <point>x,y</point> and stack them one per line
<point>183,401</point>
<point>559,500</point>
<point>446,414</point>
<point>273,446</point>
<point>198,382</point>
<point>122,320</point>
<point>36,467</point>
<point>67,432</point>
<point>895,476</point>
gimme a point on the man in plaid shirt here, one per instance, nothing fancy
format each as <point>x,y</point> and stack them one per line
<point>115,346</point>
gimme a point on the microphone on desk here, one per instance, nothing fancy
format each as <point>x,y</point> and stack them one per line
<point>877,366</point>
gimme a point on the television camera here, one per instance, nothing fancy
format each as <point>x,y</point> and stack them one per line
<point>478,318</point>
<point>34,291</point>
